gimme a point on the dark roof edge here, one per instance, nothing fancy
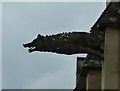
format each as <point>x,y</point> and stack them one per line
<point>98,22</point>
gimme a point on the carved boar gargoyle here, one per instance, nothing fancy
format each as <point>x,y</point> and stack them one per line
<point>69,43</point>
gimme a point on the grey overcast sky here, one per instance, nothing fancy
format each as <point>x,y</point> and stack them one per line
<point>21,22</point>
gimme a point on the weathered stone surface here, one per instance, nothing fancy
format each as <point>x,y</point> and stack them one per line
<point>109,17</point>
<point>69,43</point>
<point>84,67</point>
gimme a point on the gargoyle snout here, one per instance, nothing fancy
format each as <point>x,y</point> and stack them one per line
<point>24,45</point>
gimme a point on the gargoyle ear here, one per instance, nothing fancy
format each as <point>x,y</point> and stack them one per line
<point>38,36</point>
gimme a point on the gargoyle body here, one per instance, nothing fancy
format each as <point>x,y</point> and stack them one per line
<point>69,43</point>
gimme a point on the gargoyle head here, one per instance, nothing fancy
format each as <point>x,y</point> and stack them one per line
<point>35,44</point>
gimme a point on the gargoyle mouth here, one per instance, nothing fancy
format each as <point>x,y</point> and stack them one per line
<point>31,48</point>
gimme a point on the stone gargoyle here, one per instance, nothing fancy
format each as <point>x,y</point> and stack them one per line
<point>70,43</point>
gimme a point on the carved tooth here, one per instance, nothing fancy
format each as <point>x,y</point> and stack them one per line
<point>32,47</point>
